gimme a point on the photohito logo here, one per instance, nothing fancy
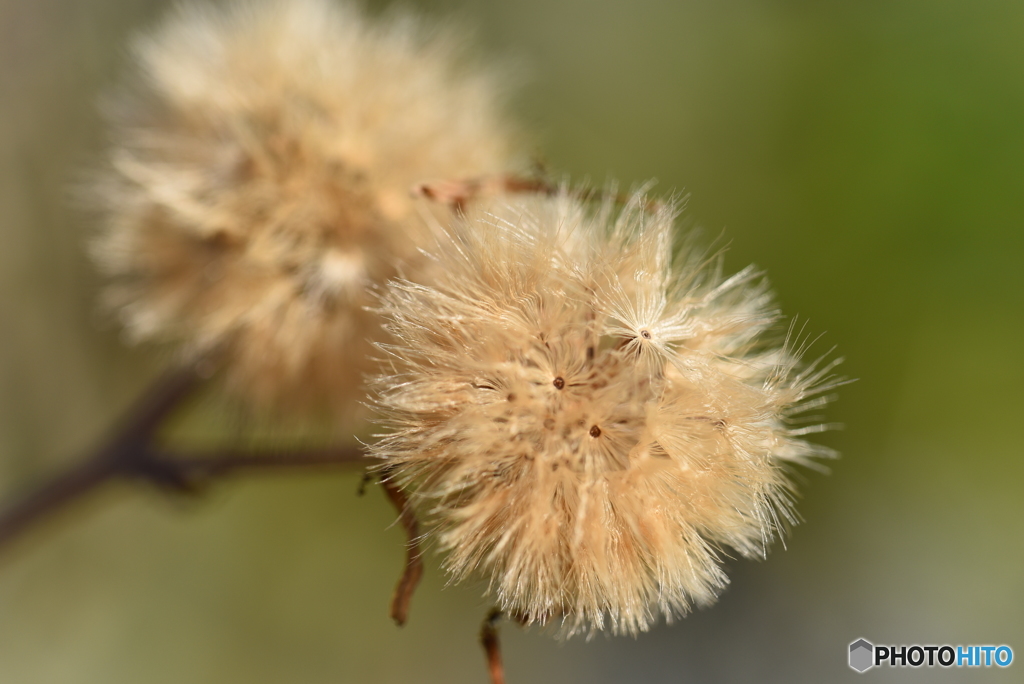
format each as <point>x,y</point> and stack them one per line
<point>864,655</point>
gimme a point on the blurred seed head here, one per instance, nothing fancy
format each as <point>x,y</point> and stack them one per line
<point>587,420</point>
<point>259,183</point>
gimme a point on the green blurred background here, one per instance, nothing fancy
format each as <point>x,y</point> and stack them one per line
<point>869,155</point>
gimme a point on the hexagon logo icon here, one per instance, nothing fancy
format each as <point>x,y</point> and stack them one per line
<point>862,655</point>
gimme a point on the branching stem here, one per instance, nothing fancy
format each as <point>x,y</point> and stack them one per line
<point>131,453</point>
<point>413,562</point>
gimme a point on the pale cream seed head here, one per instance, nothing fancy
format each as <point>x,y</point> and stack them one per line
<point>259,183</point>
<point>585,420</point>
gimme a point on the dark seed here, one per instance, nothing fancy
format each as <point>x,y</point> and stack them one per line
<point>559,383</point>
<point>595,431</point>
<point>646,334</point>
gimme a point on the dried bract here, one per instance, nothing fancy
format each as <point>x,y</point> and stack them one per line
<point>259,183</point>
<point>586,420</point>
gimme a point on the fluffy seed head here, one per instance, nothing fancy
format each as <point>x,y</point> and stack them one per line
<point>259,182</point>
<point>587,421</point>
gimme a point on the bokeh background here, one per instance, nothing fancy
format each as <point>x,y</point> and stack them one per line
<point>869,155</point>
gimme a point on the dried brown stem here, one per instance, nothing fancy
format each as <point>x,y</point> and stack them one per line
<point>52,496</point>
<point>130,453</point>
<point>492,646</point>
<point>413,562</point>
<point>204,467</point>
<point>125,453</point>
<point>458,193</point>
